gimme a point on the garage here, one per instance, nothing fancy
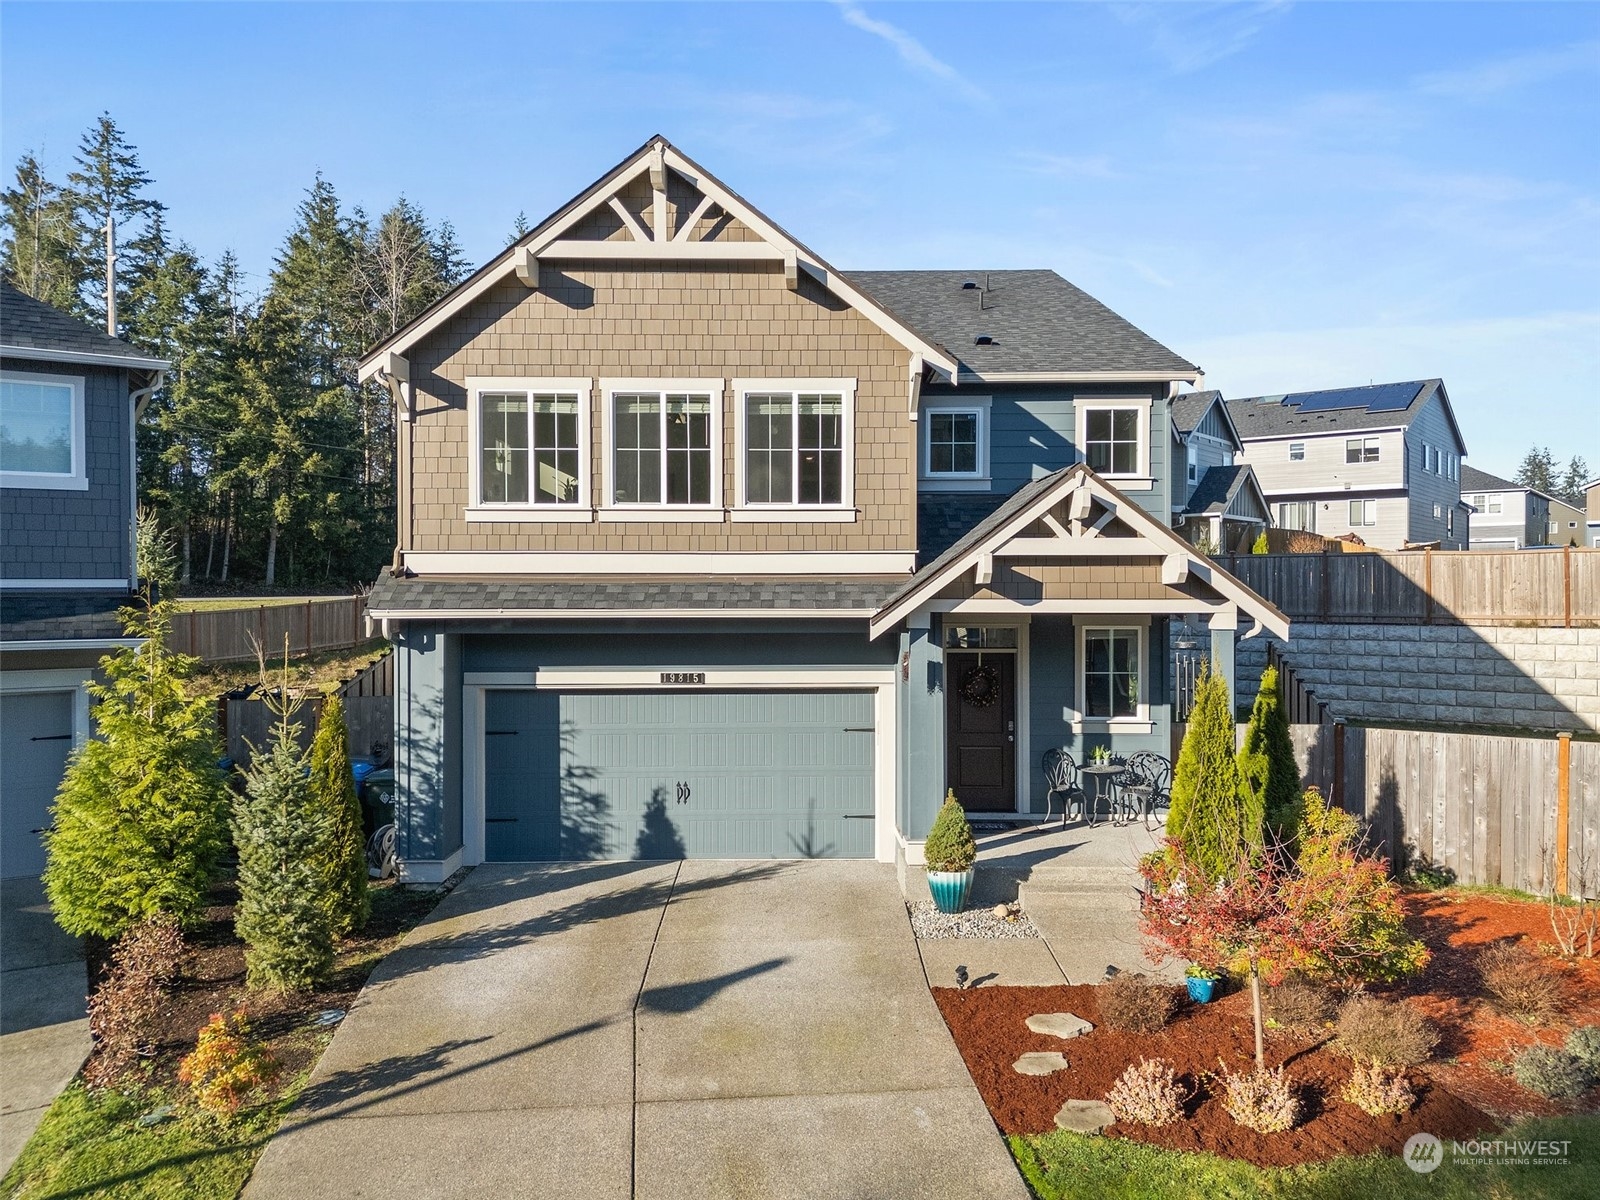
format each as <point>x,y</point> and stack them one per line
<point>677,774</point>
<point>35,740</point>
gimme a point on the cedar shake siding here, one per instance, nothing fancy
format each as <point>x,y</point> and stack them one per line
<point>653,320</point>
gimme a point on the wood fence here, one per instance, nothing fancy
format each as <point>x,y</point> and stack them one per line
<point>368,716</point>
<point>224,634</point>
<point>1429,587</point>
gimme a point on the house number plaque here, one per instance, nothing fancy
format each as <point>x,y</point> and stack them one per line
<point>683,677</point>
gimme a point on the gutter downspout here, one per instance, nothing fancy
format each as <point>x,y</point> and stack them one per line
<point>141,400</point>
<point>400,393</point>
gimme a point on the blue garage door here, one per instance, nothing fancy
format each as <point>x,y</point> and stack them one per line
<point>35,741</point>
<point>586,775</point>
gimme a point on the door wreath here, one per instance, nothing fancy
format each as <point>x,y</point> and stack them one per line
<point>980,686</point>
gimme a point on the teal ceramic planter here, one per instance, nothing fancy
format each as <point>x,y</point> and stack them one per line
<point>950,889</point>
<point>1201,991</point>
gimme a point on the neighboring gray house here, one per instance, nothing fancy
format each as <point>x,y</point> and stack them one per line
<point>1505,515</point>
<point>1221,501</point>
<point>1567,523</point>
<point>1382,462</point>
<point>1591,504</point>
<point>69,395</point>
<point>707,548</point>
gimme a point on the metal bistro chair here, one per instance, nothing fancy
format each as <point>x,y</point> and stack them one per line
<point>1061,775</point>
<point>1147,789</point>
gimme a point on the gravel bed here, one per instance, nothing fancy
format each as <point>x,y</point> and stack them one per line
<point>929,924</point>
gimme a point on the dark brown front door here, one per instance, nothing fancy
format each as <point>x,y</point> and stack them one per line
<point>981,730</point>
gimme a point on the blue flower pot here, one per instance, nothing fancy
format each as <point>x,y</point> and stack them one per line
<point>950,889</point>
<point>1201,991</point>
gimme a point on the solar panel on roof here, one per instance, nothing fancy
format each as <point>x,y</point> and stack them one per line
<point>1382,397</point>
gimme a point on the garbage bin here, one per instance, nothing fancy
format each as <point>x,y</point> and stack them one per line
<point>377,801</point>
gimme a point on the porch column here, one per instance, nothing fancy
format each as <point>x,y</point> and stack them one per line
<point>427,747</point>
<point>1224,623</point>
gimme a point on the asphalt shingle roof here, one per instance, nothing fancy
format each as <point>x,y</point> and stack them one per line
<point>491,595</point>
<point>47,616</point>
<point>1188,407</point>
<point>943,518</point>
<point>1038,320</point>
<point>1474,480</point>
<point>1283,416</point>
<point>29,323</point>
<point>1217,489</point>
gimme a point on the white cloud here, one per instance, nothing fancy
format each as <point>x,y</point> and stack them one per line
<point>912,52</point>
<point>1067,166</point>
<point>1505,74</point>
<point>1193,36</point>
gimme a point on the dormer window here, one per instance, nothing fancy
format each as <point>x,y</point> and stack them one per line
<point>41,432</point>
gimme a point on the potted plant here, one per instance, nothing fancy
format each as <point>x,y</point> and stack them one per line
<point>1201,982</point>
<point>949,853</point>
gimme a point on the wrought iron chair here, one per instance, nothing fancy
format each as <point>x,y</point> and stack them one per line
<point>1147,789</point>
<point>1061,775</point>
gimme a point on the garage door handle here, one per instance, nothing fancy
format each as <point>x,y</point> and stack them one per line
<point>859,729</point>
<point>52,737</point>
<point>500,733</point>
<point>857,816</point>
<point>500,820</point>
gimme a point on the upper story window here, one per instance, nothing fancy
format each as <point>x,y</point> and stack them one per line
<point>955,443</point>
<point>1113,436</point>
<point>1361,450</point>
<point>664,441</point>
<point>41,431</point>
<point>530,443</point>
<point>1297,452</point>
<point>795,443</point>
<point>1194,465</point>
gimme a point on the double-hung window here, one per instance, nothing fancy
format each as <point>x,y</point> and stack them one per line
<point>955,443</point>
<point>664,439</point>
<point>1361,450</point>
<point>1113,436</point>
<point>42,432</point>
<point>530,448</point>
<point>795,443</point>
<point>1297,452</point>
<point>1111,674</point>
<point>1363,513</point>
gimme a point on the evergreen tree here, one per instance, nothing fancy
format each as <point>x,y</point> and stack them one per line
<point>39,249</point>
<point>342,855</point>
<point>1268,773</point>
<point>1538,470</point>
<point>1570,488</point>
<point>519,229</point>
<point>139,820</point>
<point>1208,813</point>
<point>108,186</point>
<point>282,915</point>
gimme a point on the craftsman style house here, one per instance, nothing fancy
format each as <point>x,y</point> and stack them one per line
<point>707,548</point>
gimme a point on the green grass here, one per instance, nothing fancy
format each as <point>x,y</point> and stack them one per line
<point>211,603</point>
<point>1067,1166</point>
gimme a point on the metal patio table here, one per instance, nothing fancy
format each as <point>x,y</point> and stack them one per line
<point>1105,775</point>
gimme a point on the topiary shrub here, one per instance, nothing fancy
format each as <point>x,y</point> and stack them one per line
<point>1389,1032</point>
<point>1209,812</point>
<point>342,856</point>
<point>1260,545</point>
<point>1261,1100</point>
<point>126,1006</point>
<point>1268,773</point>
<point>1376,1090</point>
<point>1583,1043</point>
<point>1148,1094</point>
<point>227,1064</point>
<point>1301,1005</point>
<point>1135,1004</point>
<point>1550,1072</point>
<point>950,845</point>
<point>1519,984</point>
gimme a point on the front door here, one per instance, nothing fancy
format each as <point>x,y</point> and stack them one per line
<point>981,730</point>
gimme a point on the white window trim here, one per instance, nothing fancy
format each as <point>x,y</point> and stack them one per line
<point>78,479</point>
<point>1139,479</point>
<point>611,511</point>
<point>842,512</point>
<point>530,510</point>
<point>1297,452</point>
<point>1141,722</point>
<point>1363,523</point>
<point>1373,443</point>
<point>955,481</point>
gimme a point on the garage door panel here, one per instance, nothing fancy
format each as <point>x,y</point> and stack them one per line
<point>35,743</point>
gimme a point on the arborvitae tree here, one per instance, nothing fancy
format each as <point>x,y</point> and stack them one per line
<point>139,820</point>
<point>1538,470</point>
<point>282,913</point>
<point>39,250</point>
<point>1208,813</point>
<point>342,855</point>
<point>1268,773</point>
<point>108,184</point>
<point>1261,545</point>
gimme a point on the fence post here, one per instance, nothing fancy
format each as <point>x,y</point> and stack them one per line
<point>355,620</point>
<point>1566,586</point>
<point>307,646</point>
<point>261,626</point>
<point>1427,587</point>
<point>194,640</point>
<point>1325,584</point>
<point>1338,763</point>
<point>1563,811</point>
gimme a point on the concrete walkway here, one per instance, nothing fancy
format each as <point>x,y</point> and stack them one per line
<point>44,1026</point>
<point>652,1030</point>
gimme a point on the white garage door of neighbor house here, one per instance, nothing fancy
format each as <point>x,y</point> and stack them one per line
<point>35,740</point>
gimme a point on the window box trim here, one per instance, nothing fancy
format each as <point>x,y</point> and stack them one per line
<point>1141,721</point>
<point>1139,479</point>
<point>955,481</point>
<point>609,387</point>
<point>530,513</point>
<point>532,510</point>
<point>844,510</point>
<point>77,480</point>
<point>661,514</point>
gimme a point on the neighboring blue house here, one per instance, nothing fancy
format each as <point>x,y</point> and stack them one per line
<point>69,398</point>
<point>707,548</point>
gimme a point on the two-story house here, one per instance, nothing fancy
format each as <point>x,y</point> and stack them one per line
<point>69,397</point>
<point>1217,502</point>
<point>707,548</point>
<point>1505,515</point>
<point>1382,462</point>
<point>1591,505</point>
<point>1567,523</point>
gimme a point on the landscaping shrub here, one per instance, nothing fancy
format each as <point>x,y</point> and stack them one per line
<point>1388,1032</point>
<point>1519,984</point>
<point>1134,1003</point>
<point>1148,1094</point>
<point>1550,1072</point>
<point>126,1006</point>
<point>342,857</point>
<point>950,845</point>
<point>227,1064</point>
<point>1268,773</point>
<point>1300,1004</point>
<point>1583,1043</point>
<point>1376,1089</point>
<point>1208,813</point>
<point>1261,1100</point>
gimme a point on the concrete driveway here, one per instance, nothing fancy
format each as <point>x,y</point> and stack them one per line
<point>651,1030</point>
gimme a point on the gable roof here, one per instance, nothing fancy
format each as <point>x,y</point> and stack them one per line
<point>1039,323</point>
<point>1220,486</point>
<point>1189,409</point>
<point>1031,502</point>
<point>31,328</point>
<point>1474,480</point>
<point>657,153</point>
<point>1339,410</point>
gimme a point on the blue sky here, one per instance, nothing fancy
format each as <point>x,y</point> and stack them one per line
<point>1292,196</point>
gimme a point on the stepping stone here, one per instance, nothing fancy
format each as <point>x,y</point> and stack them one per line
<point>1061,1025</point>
<point>1084,1116</point>
<point>1040,1062</point>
